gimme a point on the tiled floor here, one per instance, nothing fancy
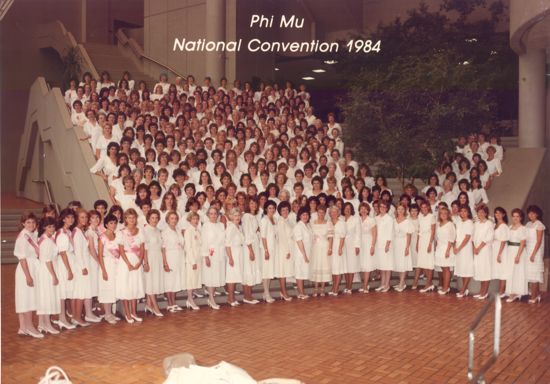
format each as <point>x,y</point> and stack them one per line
<point>374,338</point>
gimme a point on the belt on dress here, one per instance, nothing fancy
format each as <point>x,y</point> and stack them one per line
<point>513,243</point>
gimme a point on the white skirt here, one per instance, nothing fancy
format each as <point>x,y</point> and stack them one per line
<point>82,286</point>
<point>193,277</point>
<point>251,269</point>
<point>441,260</point>
<point>154,279</point>
<point>93,271</point>
<point>47,294</point>
<point>401,263</point>
<point>425,259</point>
<point>320,262</point>
<point>234,274</point>
<point>414,254</point>
<point>129,284</point>
<point>464,262</point>
<point>482,264</point>
<point>368,262</point>
<point>535,269</point>
<point>65,285</point>
<point>268,266</point>
<point>301,268</point>
<point>214,276</point>
<point>517,283</point>
<point>384,260</point>
<point>502,270</point>
<point>107,288</point>
<point>353,261</point>
<point>172,279</point>
<point>25,296</point>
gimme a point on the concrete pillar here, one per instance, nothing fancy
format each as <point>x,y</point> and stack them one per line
<point>215,31</point>
<point>532,99</point>
<point>83,25</point>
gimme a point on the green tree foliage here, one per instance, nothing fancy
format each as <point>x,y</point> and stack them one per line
<point>436,76</point>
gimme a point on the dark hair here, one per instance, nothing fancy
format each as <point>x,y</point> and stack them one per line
<point>282,205</point>
<point>62,215</point>
<point>536,210</point>
<point>267,204</point>
<point>109,218</point>
<point>483,208</point>
<point>503,212</point>
<point>301,211</point>
<point>348,204</point>
<point>99,203</point>
<point>117,208</point>
<point>520,212</point>
<point>47,221</point>
<point>467,208</point>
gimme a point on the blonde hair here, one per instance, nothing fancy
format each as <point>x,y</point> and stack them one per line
<point>191,215</point>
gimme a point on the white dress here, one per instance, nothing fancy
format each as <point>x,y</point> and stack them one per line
<point>64,241</point>
<point>352,241</point>
<point>47,294</point>
<point>251,268</point>
<point>82,288</point>
<point>535,269</point>
<point>192,244</point>
<point>111,259</point>
<point>517,282</point>
<point>339,261</point>
<point>234,239</point>
<point>129,284</point>
<point>385,232</point>
<point>154,279</point>
<point>284,265</point>
<point>464,260</point>
<point>173,244</point>
<point>26,248</point>
<point>93,270</point>
<point>444,234</point>
<point>302,232</point>
<point>483,233</point>
<point>212,245</point>
<point>425,260</point>
<point>502,270</point>
<point>268,232</point>
<point>320,262</point>
<point>414,240</point>
<point>401,262</point>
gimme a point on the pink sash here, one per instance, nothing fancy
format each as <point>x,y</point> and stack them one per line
<point>32,244</point>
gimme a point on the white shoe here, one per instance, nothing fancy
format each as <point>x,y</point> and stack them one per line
<point>481,297</point>
<point>62,325</point>
<point>93,319</point>
<point>136,318</point>
<point>441,292</point>
<point>192,305</point>
<point>379,288</point>
<point>427,289</point>
<point>36,335</point>
<point>177,308</point>
<point>213,305</point>
<point>268,299</point>
<point>78,323</point>
<point>197,295</point>
<point>110,320</point>
<point>461,295</point>
<point>253,301</point>
<point>234,303</point>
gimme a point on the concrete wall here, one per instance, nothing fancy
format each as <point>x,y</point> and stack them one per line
<point>101,15</point>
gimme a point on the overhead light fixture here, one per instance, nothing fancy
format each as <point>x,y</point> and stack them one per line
<point>276,68</point>
<point>318,70</point>
<point>330,62</point>
<point>308,78</point>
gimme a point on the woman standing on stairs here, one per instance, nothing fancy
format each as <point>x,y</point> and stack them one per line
<point>26,250</point>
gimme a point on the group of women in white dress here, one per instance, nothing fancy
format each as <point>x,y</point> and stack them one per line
<point>232,188</point>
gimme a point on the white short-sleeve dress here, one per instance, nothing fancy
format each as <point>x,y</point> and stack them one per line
<point>212,245</point>
<point>192,244</point>
<point>284,264</point>
<point>64,241</point>
<point>234,239</point>
<point>502,270</point>
<point>129,284</point>
<point>47,294</point>
<point>445,234</point>
<point>464,260</point>
<point>111,258</point>
<point>251,268</point>
<point>402,262</point>
<point>93,265</point>
<point>26,248</point>
<point>535,268</point>
<point>82,288</point>
<point>425,260</point>
<point>339,261</point>
<point>173,244</point>
<point>483,233</point>
<point>154,279</point>
<point>517,283</point>
<point>385,232</point>
<point>414,240</point>
<point>302,232</point>
<point>268,232</point>
<point>352,241</point>
<point>320,261</point>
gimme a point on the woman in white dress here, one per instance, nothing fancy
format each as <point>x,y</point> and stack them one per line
<point>251,261</point>
<point>173,260</point>
<point>92,234</point>
<point>302,244</point>
<point>234,249</point>
<point>414,210</point>
<point>425,246</point>
<point>384,246</point>
<point>483,239</point>
<point>284,263</point>
<point>108,255</point>
<point>65,268</point>
<point>464,250</point>
<point>402,234</point>
<point>268,247</point>
<point>501,265</point>
<point>445,236</point>
<point>47,288</point>
<point>82,286</point>
<point>192,244</point>
<point>352,244</point>
<point>321,251</point>
<point>153,266</point>
<point>517,286</point>
<point>338,261</point>
<point>535,252</point>
<point>129,276</point>
<point>212,251</point>
<point>369,234</point>
<point>26,250</point>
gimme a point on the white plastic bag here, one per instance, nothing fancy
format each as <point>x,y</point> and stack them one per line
<point>55,375</point>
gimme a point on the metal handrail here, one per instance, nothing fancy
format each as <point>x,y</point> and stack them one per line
<point>46,184</point>
<point>477,378</point>
<point>138,51</point>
